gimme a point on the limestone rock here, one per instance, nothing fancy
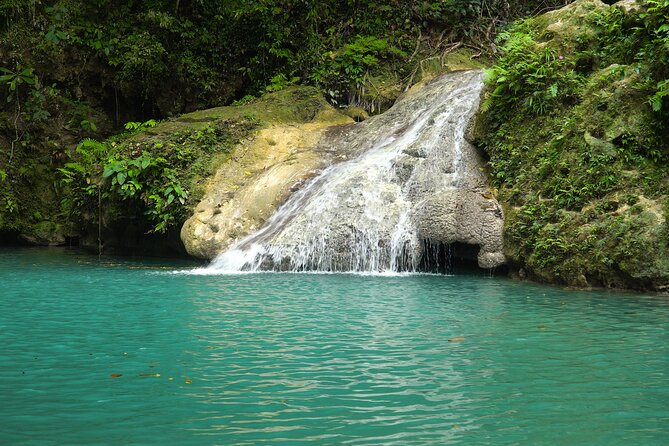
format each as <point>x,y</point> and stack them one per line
<point>260,176</point>
<point>629,5</point>
<point>396,180</point>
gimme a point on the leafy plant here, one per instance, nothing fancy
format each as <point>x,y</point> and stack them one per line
<point>528,78</point>
<point>133,126</point>
<point>152,181</point>
<point>346,68</point>
<point>136,176</point>
<point>13,79</point>
<point>657,100</point>
<point>88,125</point>
<point>279,82</point>
<point>145,179</point>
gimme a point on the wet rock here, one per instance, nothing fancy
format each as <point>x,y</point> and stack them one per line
<point>259,177</point>
<point>373,210</point>
<point>45,233</point>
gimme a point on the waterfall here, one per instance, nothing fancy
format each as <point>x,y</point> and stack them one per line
<point>362,214</point>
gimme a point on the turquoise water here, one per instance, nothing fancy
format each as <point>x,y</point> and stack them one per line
<point>328,359</point>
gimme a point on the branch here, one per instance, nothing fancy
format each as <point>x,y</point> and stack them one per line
<point>415,51</point>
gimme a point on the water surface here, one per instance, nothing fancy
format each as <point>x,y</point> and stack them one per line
<point>328,359</point>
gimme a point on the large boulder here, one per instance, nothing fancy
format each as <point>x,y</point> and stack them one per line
<point>259,176</point>
<point>582,176</point>
<point>398,182</point>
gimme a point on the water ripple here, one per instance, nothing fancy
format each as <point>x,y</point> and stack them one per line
<point>331,359</point>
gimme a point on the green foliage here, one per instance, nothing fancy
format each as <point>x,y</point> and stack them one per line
<point>15,9</point>
<point>13,79</point>
<point>88,125</point>
<point>7,199</point>
<point>104,172</point>
<point>580,158</point>
<point>133,126</point>
<point>533,78</point>
<point>244,101</point>
<point>346,68</point>
<point>642,39</point>
<point>133,175</point>
<point>140,61</point>
<point>149,179</point>
<point>280,82</point>
<point>103,62</point>
<point>211,52</point>
<point>657,100</point>
<point>529,78</point>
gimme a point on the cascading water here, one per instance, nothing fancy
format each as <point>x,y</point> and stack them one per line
<point>361,214</point>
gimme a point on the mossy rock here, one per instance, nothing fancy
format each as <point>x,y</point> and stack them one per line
<point>381,89</point>
<point>181,155</point>
<point>44,233</point>
<point>463,59</point>
<point>206,139</point>
<point>358,114</point>
<point>378,92</point>
<point>261,173</point>
<point>585,184</point>
<point>570,29</point>
<point>293,104</point>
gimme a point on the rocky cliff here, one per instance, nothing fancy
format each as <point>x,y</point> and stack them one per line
<point>576,130</point>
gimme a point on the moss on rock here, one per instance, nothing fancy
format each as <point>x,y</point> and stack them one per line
<point>584,177</point>
<point>152,179</point>
<point>262,171</point>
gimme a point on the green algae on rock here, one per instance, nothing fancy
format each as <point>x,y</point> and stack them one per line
<point>580,158</point>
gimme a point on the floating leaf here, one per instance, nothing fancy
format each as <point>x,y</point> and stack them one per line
<point>116,375</point>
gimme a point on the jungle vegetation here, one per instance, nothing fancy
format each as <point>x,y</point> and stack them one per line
<point>576,124</point>
<point>574,120</point>
<point>74,73</point>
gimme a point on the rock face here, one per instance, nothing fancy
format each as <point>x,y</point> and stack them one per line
<point>45,234</point>
<point>465,216</point>
<point>585,181</point>
<point>260,176</point>
<point>400,181</point>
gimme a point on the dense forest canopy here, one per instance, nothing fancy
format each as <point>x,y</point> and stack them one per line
<point>165,57</point>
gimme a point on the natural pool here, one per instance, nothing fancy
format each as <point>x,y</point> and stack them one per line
<point>328,359</point>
